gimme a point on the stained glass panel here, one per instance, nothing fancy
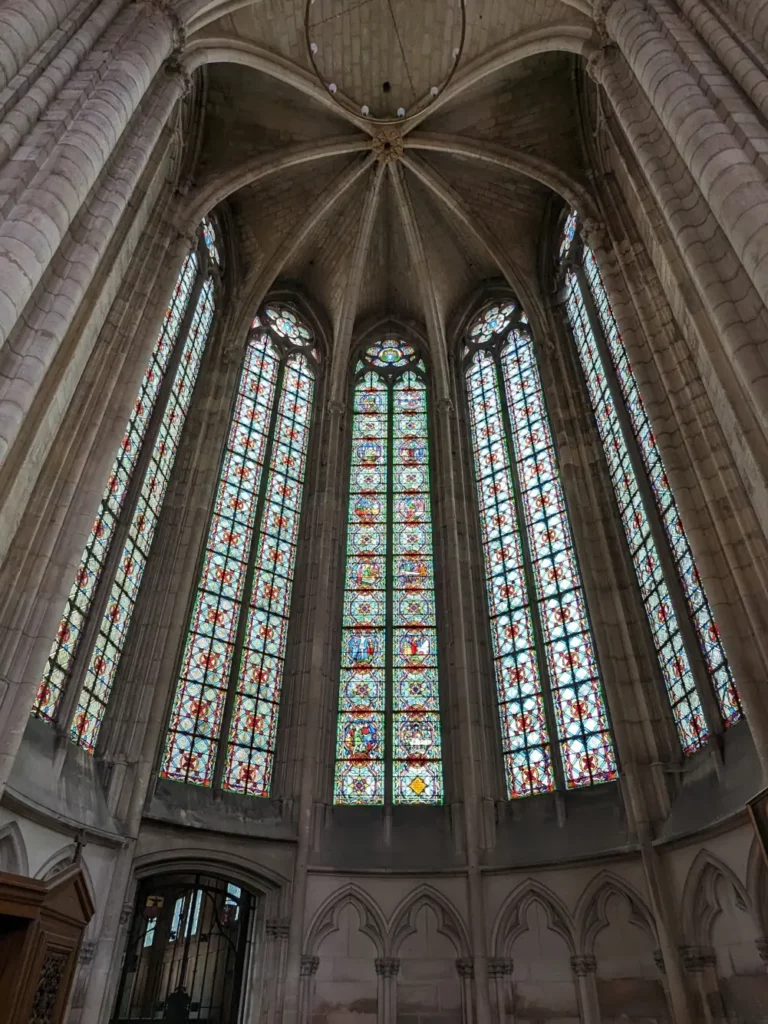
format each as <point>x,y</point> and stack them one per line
<point>525,737</point>
<point>583,732</point>
<point>673,658</point>
<point>198,706</point>
<point>70,631</point>
<point>360,747</point>
<point>113,630</point>
<point>389,712</point>
<point>250,752</point>
<point>698,606</point>
<point>417,768</point>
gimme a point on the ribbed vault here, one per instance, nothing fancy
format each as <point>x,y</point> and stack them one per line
<point>406,219</point>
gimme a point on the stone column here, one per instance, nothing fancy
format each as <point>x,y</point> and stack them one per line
<point>387,969</point>
<point>585,969</point>
<point>277,930</point>
<point>465,968</point>
<point>307,971</point>
<point>651,36</point>
<point>35,225</point>
<point>500,970</point>
<point>700,963</point>
<point>24,28</point>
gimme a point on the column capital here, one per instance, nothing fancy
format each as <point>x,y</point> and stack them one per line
<point>600,10</point>
<point>444,406</point>
<point>697,958</point>
<point>465,967</point>
<point>335,407</point>
<point>87,951</point>
<point>175,67</point>
<point>600,60</point>
<point>167,9</point>
<point>583,965</point>
<point>658,959</point>
<point>500,966</point>
<point>277,927</point>
<point>387,966</point>
<point>309,965</point>
<point>761,945</point>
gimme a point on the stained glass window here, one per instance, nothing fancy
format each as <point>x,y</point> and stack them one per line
<point>535,595</point>
<point>159,410</point>
<point>388,739</point>
<point>612,387</point>
<point>224,717</point>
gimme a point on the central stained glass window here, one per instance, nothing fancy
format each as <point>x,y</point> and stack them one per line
<point>547,676</point>
<point>224,717</point>
<point>388,746</point>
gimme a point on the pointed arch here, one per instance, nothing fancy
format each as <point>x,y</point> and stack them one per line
<point>13,850</point>
<point>757,883</point>
<point>700,904</point>
<point>511,919</point>
<point>590,916</point>
<point>326,919</point>
<point>450,924</point>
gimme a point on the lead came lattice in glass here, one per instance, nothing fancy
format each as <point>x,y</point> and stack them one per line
<point>674,659</point>
<point>515,466</point>
<point>389,638</point>
<point>236,642</point>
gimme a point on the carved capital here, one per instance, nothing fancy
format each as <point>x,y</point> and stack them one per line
<point>174,67</point>
<point>126,913</point>
<point>593,233</point>
<point>444,406</point>
<point>277,928</point>
<point>658,959</point>
<point>465,967</point>
<point>500,967</point>
<point>599,62</point>
<point>697,958</point>
<point>309,965</point>
<point>583,965</point>
<point>167,9</point>
<point>761,945</point>
<point>387,145</point>
<point>335,407</point>
<point>387,966</point>
<point>600,10</point>
<point>87,951</point>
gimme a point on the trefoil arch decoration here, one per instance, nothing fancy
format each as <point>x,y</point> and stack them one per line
<point>388,747</point>
<point>675,602</point>
<point>548,681</point>
<point>224,716</point>
<point>83,661</point>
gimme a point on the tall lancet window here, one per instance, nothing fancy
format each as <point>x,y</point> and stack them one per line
<point>685,634</point>
<point>554,724</point>
<point>83,661</point>
<point>388,747</point>
<point>224,716</point>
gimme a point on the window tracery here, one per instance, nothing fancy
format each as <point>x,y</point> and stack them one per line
<point>388,737</point>
<point>548,681</point>
<point>160,412</point>
<point>633,458</point>
<point>224,718</point>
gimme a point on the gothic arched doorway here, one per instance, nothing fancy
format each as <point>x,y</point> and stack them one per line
<point>186,951</point>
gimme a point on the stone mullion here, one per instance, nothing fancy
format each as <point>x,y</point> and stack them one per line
<point>585,969</point>
<point>479,653</point>
<point>745,647</point>
<point>657,531</point>
<point>321,689</point>
<point>612,594</point>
